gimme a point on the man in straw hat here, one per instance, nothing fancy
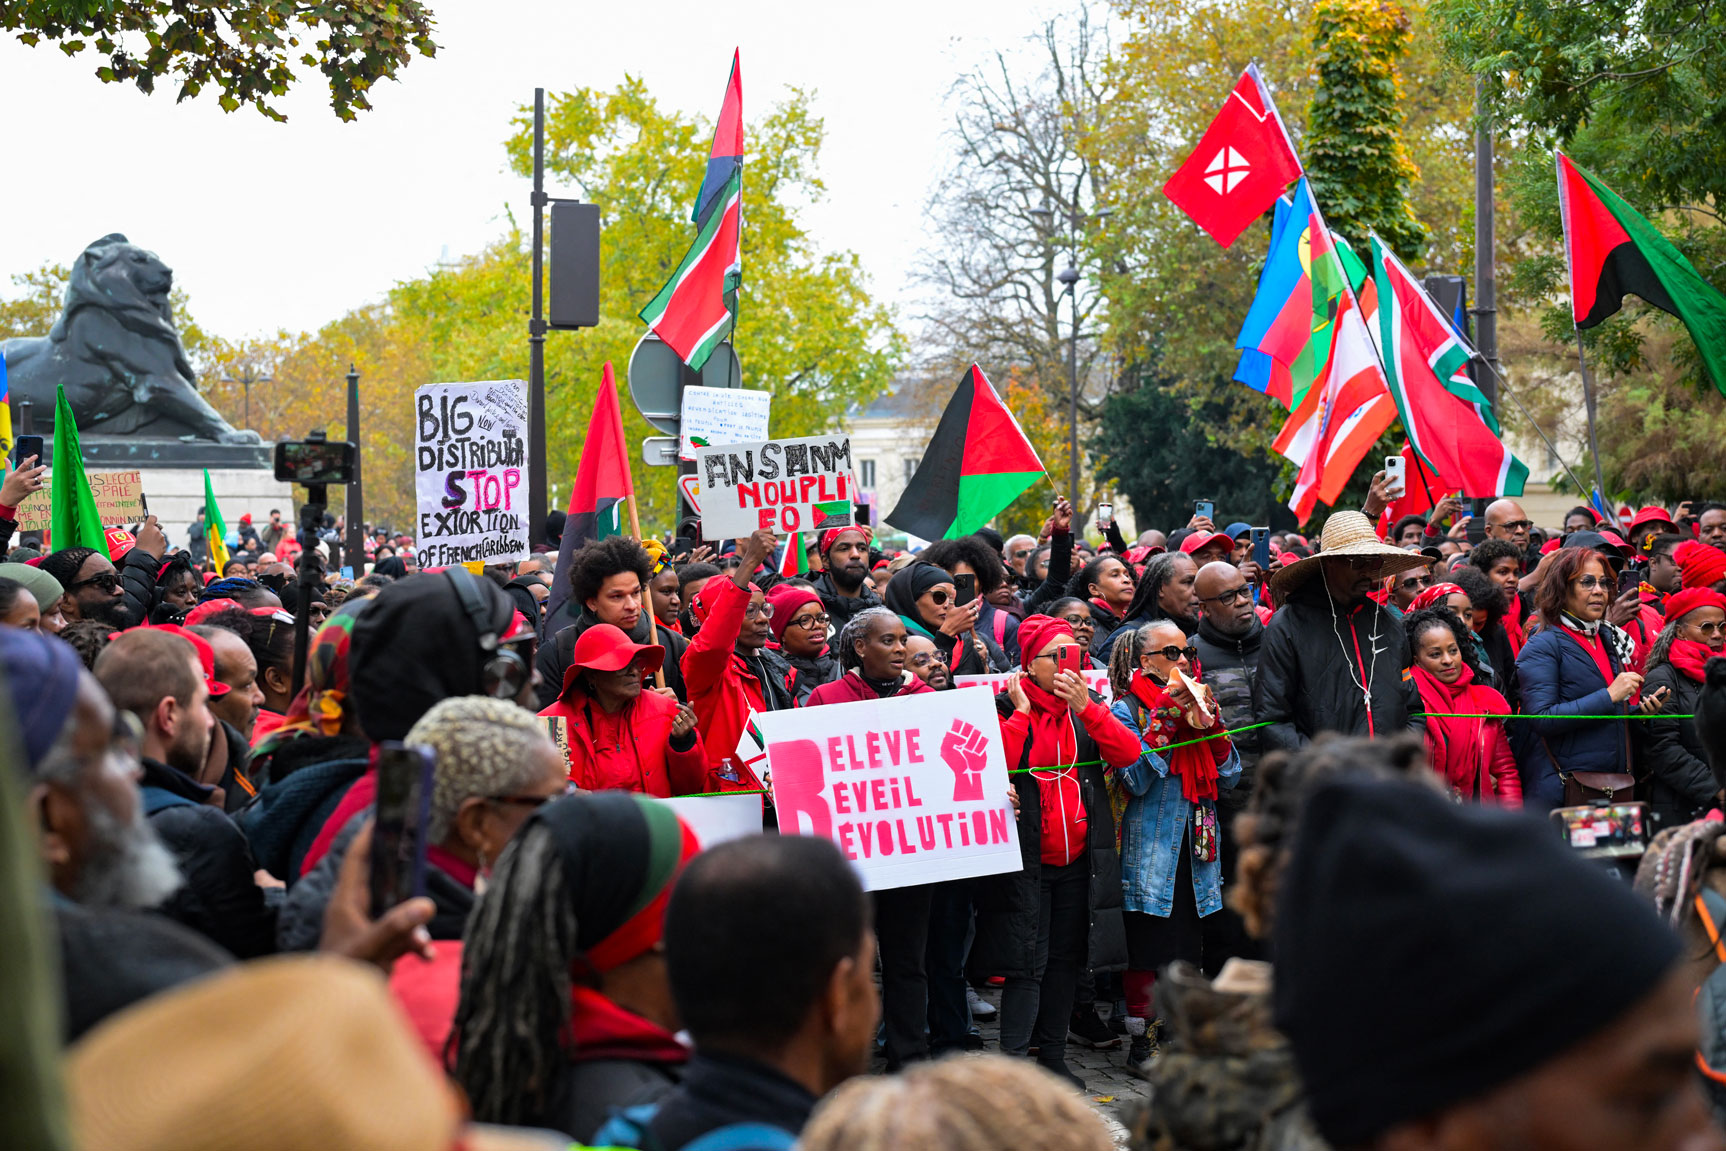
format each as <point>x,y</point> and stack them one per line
<point>1332,658</point>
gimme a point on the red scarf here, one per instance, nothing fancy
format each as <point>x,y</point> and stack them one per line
<point>1690,656</point>
<point>600,1029</point>
<point>1194,765</point>
<point>1458,746</point>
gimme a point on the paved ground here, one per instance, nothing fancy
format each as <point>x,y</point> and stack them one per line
<point>1110,1085</point>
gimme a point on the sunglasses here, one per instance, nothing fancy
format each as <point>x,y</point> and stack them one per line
<point>1709,628</point>
<point>534,801</point>
<point>1517,525</point>
<point>1175,654</point>
<point>1228,595</point>
<point>107,581</point>
<point>940,596</point>
<point>1589,583</point>
<point>1417,581</point>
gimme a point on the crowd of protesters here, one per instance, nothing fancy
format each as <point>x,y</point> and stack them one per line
<point>1449,973</point>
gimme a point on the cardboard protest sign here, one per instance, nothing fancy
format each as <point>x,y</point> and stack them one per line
<point>119,500</point>
<point>1096,678</point>
<point>717,818</point>
<point>913,789</point>
<point>714,416</point>
<point>470,472</point>
<point>801,485</point>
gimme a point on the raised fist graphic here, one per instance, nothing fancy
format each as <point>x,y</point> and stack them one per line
<point>965,750</point>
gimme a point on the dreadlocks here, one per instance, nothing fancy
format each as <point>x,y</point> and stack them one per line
<point>515,983</point>
<point>1124,661</point>
<point>1147,597</point>
<point>856,628</point>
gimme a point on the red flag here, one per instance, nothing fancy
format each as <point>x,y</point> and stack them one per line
<point>1243,163</point>
<point>602,483</point>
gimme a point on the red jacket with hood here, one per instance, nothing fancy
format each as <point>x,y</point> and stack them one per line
<point>722,689</point>
<point>851,687</point>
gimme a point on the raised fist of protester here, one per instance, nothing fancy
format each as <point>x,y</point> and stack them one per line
<point>1625,608</point>
<point>1445,509</point>
<point>27,478</point>
<point>961,619</point>
<point>753,550</point>
<point>1060,521</point>
<point>965,751</point>
<point>152,540</point>
<point>350,930</point>
<point>684,722</point>
<point>1070,686</point>
<point>1624,686</point>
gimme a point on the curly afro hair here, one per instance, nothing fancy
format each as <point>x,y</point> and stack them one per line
<point>598,561</point>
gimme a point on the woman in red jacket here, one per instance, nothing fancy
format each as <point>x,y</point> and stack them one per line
<point>871,649</point>
<point>1471,755</point>
<point>615,734</point>
<point>1044,924</point>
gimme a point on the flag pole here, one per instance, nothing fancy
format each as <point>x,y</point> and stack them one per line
<point>635,530</point>
<point>1588,399</point>
<point>1529,416</point>
<point>1427,488</point>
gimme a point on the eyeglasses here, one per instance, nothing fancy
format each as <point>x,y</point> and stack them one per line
<point>763,611</point>
<point>1416,581</point>
<point>1709,628</point>
<point>1517,525</point>
<point>1174,654</point>
<point>1078,621</point>
<point>535,801</point>
<point>926,658</point>
<point>812,622</point>
<point>1589,583</point>
<point>1059,655</point>
<point>1228,595</point>
<point>107,581</point>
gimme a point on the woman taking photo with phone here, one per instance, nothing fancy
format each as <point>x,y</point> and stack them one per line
<point>1683,787</point>
<point>925,598</point>
<point>1042,925</point>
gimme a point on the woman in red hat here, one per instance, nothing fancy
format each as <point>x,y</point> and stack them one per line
<point>799,627</point>
<point>1683,788</point>
<point>615,734</point>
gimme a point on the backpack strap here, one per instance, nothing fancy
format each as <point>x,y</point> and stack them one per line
<point>627,1127</point>
<point>744,1137</point>
<point>998,624</point>
<point>160,799</point>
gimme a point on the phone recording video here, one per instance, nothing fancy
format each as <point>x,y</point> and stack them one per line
<point>399,815</point>
<point>966,586</point>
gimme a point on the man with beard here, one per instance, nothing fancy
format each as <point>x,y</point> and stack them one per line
<point>844,585</point>
<point>1332,659</point>
<point>103,859</point>
<point>925,661</point>
<point>157,676</point>
<point>92,585</point>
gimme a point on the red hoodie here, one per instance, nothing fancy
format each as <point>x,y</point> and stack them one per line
<point>851,687</point>
<point>1053,734</point>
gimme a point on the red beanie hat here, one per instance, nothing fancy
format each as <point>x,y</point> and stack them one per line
<point>1699,565</point>
<point>787,600</point>
<point>1683,603</point>
<point>1035,632</point>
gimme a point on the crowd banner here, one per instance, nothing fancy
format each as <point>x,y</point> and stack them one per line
<point>470,472</point>
<point>1096,678</point>
<point>711,416</point>
<point>913,789</point>
<point>119,500</point>
<point>784,486</point>
<point>717,818</point>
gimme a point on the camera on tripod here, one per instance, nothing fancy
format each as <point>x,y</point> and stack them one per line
<point>315,460</point>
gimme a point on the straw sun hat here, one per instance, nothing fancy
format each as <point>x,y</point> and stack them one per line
<point>1345,536</point>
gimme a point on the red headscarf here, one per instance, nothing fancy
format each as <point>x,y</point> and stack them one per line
<point>1035,632</point>
<point>1699,565</point>
<point>1434,596</point>
<point>831,537</point>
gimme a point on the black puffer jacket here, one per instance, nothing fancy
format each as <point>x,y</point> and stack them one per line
<point>1681,786</point>
<point>1230,666</point>
<point>841,609</point>
<point>557,653</point>
<point>812,672</point>
<point>1006,904</point>
<point>138,584</point>
<point>1310,663</point>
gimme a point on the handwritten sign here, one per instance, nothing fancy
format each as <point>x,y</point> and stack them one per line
<point>713,416</point>
<point>470,472</point>
<point>1096,678</point>
<point>782,485</point>
<point>913,789</point>
<point>119,500</point>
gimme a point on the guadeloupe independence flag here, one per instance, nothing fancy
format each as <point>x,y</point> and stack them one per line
<point>697,307</point>
<point>978,462</point>
<point>73,521</point>
<point>1610,248</point>
<point>215,529</point>
<point>602,483</point>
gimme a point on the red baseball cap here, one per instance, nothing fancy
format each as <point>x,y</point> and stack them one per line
<point>605,647</point>
<point>206,656</point>
<point>1204,539</point>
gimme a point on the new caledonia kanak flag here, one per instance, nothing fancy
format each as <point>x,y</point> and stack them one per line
<point>977,463</point>
<point>697,308</point>
<point>1611,248</point>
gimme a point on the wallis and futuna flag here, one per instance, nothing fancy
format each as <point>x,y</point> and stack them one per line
<point>1241,165</point>
<point>1426,368</point>
<point>1611,248</point>
<point>602,483</point>
<point>977,463</point>
<point>697,307</point>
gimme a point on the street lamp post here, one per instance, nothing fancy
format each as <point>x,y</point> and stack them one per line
<point>1069,278</point>
<point>356,502</point>
<point>247,377</point>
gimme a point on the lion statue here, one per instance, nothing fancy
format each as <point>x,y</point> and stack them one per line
<point>116,350</point>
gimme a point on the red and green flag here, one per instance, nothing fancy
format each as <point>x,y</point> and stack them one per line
<point>1426,368</point>
<point>1611,248</point>
<point>795,561</point>
<point>73,521</point>
<point>978,462</point>
<point>696,309</point>
<point>602,483</point>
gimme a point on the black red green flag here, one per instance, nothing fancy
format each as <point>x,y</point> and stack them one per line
<point>602,483</point>
<point>978,462</point>
<point>1611,249</point>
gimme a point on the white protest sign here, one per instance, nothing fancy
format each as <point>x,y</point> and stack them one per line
<point>913,789</point>
<point>717,818</point>
<point>801,485</point>
<point>712,416</point>
<point>1096,678</point>
<point>470,472</point>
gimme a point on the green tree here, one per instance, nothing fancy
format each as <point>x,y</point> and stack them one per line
<point>1358,164</point>
<point>245,50</point>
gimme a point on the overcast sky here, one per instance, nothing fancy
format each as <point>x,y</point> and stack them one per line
<point>272,225</point>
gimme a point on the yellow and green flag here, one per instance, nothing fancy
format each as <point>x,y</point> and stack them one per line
<point>215,531</point>
<point>73,521</point>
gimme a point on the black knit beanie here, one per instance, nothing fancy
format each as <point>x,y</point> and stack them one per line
<point>1427,953</point>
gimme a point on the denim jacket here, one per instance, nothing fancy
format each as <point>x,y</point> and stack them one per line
<point>1153,830</point>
